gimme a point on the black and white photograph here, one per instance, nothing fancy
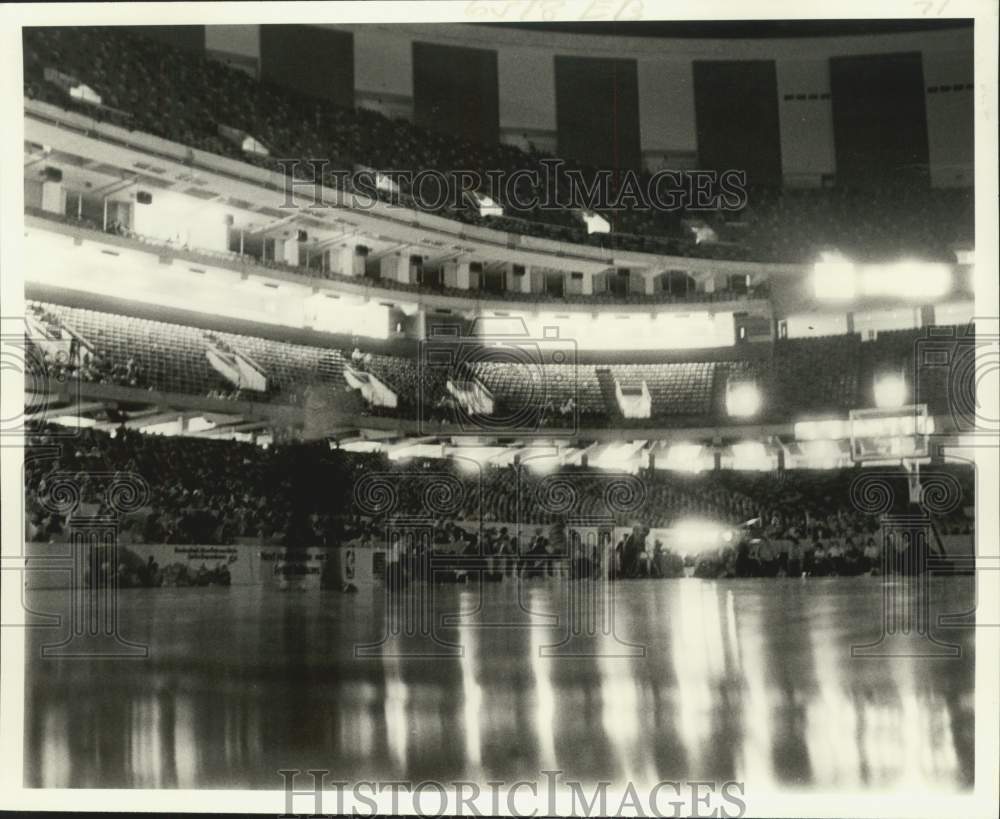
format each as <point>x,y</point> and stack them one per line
<point>500,408</point>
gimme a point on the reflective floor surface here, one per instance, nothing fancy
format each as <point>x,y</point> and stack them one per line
<point>644,680</point>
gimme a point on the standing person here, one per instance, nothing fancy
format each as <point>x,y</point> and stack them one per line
<point>835,557</point>
<point>535,563</point>
<point>767,558</point>
<point>631,554</point>
<point>821,565</point>
<point>394,580</point>
<point>595,562</point>
<point>742,563</point>
<point>503,553</point>
<point>793,567</point>
<point>618,564</point>
<point>872,557</point>
<point>657,566</point>
<point>644,559</point>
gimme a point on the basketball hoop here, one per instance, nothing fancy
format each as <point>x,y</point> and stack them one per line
<point>890,436</point>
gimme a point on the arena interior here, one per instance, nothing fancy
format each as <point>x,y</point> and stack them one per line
<point>468,489</point>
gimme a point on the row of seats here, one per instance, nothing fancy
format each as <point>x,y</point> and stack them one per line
<point>814,375</point>
<point>197,94</point>
<point>414,386</point>
<point>192,95</point>
<point>173,355</point>
<point>542,387</point>
<point>675,389</point>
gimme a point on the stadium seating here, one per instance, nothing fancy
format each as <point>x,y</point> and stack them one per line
<point>291,366</point>
<point>543,387</point>
<point>212,491</point>
<point>675,389</point>
<point>816,374</point>
<point>414,386</point>
<point>173,355</point>
<point>196,95</point>
<point>822,375</point>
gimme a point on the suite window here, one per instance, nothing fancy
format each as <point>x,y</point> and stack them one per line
<point>555,284</point>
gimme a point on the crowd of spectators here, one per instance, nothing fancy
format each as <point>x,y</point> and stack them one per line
<point>199,491</point>
<point>195,95</point>
<point>792,558</point>
<point>202,491</point>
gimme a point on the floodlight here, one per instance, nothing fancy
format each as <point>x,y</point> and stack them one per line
<point>743,399</point>
<point>834,278</point>
<point>890,391</point>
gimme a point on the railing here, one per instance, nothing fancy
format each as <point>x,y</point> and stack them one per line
<point>552,239</point>
<point>246,263</point>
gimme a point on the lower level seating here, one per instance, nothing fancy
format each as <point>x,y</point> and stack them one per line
<point>683,388</point>
<point>827,375</point>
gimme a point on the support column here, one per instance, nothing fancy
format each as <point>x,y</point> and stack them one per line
<point>396,267</point>
<point>287,251</point>
<point>456,274</point>
<point>53,197</point>
<point>513,275</point>
<point>340,260</point>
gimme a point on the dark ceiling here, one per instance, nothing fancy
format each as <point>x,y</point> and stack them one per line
<point>742,29</point>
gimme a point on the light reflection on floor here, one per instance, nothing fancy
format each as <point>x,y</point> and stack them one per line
<point>749,680</point>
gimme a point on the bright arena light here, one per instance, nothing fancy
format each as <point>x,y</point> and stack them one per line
<point>890,391</point>
<point>743,400</point>
<point>685,458</point>
<point>908,279</point>
<point>360,446</point>
<point>821,454</point>
<point>751,455</point>
<point>692,536</point>
<point>543,463</point>
<point>619,457</point>
<point>834,278</point>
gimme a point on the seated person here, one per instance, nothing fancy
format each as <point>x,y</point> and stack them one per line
<point>835,558</point>
<point>853,558</point>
